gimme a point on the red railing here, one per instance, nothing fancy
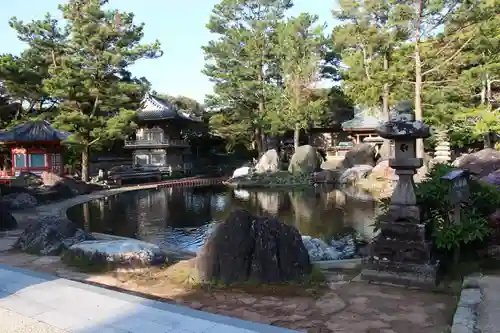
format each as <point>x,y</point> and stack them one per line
<point>188,182</point>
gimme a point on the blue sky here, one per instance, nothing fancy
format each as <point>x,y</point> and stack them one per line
<point>178,25</point>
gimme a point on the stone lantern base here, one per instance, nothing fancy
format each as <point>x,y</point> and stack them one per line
<point>401,253</point>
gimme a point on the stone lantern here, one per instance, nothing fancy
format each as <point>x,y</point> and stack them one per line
<point>401,253</point>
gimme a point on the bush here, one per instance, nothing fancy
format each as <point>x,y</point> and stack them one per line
<point>433,198</point>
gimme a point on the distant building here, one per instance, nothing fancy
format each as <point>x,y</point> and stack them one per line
<point>35,147</point>
<point>158,140</point>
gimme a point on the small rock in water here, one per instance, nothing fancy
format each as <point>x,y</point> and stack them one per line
<point>319,249</point>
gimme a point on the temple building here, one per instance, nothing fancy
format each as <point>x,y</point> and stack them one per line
<point>35,146</point>
<point>158,140</point>
<point>362,127</point>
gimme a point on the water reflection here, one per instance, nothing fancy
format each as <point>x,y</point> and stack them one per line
<point>184,217</point>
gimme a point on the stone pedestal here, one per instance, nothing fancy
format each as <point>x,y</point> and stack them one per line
<point>401,253</point>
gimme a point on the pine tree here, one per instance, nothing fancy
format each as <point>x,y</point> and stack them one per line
<point>23,75</point>
<point>91,78</point>
<point>301,44</point>
<point>241,63</point>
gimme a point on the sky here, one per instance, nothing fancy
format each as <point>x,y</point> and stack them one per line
<point>178,25</point>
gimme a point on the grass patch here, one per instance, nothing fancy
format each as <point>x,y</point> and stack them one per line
<point>277,179</point>
<point>312,285</point>
<point>84,264</point>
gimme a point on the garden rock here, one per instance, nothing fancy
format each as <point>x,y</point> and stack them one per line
<point>241,172</point>
<point>49,235</point>
<point>305,160</point>
<point>19,200</point>
<point>481,163</point>
<point>383,170</point>
<point>326,177</point>
<point>27,179</point>
<point>493,178</point>
<point>250,248</point>
<point>7,221</point>
<point>126,253</point>
<point>360,154</point>
<point>355,174</point>
<point>319,250</point>
<point>269,162</point>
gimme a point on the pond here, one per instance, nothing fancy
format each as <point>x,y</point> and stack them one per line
<point>182,218</point>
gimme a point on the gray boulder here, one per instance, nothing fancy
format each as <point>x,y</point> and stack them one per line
<point>355,174</point>
<point>493,178</point>
<point>326,176</point>
<point>482,163</point>
<point>19,200</point>
<point>250,248</point>
<point>306,159</point>
<point>319,250</point>
<point>269,162</point>
<point>126,253</point>
<point>360,154</point>
<point>50,235</point>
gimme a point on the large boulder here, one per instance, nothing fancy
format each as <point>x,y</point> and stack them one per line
<point>269,162</point>
<point>116,253</point>
<point>7,221</point>
<point>360,154</point>
<point>306,159</point>
<point>481,163</point>
<point>353,175</point>
<point>383,170</point>
<point>19,200</point>
<point>50,235</point>
<point>249,248</point>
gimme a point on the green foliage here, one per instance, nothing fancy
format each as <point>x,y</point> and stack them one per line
<point>433,198</point>
<point>301,43</point>
<point>242,64</point>
<point>271,180</point>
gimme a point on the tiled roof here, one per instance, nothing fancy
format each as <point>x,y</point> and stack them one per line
<point>364,118</point>
<point>155,108</point>
<point>34,131</point>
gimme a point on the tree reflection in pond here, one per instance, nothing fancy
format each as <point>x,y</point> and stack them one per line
<point>183,217</point>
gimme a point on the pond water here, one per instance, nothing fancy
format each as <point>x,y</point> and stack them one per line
<point>183,217</point>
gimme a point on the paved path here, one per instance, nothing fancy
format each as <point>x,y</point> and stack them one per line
<point>35,302</point>
<point>489,309</point>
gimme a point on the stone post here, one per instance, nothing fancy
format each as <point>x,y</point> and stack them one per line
<point>401,253</point>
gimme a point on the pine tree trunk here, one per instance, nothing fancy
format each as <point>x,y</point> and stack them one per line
<point>418,97</point>
<point>296,138</point>
<point>258,142</point>
<point>385,151</point>
<point>85,164</point>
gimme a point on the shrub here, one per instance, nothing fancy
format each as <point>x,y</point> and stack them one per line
<point>432,196</point>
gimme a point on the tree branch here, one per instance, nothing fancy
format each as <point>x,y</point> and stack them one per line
<point>453,56</point>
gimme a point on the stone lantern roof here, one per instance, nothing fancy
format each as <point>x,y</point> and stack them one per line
<point>403,125</point>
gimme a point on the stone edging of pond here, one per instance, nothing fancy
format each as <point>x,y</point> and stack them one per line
<point>466,318</point>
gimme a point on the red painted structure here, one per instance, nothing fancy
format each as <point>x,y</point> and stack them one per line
<point>35,147</point>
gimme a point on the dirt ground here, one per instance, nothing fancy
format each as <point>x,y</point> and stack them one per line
<point>351,307</point>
